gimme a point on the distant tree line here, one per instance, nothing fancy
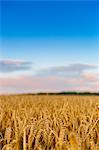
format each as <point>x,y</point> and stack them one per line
<point>66,93</point>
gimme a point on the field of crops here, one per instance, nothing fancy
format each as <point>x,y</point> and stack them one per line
<point>49,122</point>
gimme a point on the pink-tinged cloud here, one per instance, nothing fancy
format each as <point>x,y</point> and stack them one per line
<point>26,84</point>
<point>91,76</point>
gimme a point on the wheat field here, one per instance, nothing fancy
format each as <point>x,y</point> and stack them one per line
<point>30,122</point>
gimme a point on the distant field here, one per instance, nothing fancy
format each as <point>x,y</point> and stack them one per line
<point>49,122</point>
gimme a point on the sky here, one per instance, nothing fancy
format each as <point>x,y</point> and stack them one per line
<point>49,46</point>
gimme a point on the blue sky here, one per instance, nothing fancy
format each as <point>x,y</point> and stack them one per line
<point>49,19</point>
<point>44,35</point>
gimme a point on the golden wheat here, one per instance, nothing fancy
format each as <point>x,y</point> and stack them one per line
<point>49,122</point>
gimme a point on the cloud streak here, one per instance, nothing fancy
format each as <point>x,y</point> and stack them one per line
<point>7,66</point>
<point>66,70</point>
